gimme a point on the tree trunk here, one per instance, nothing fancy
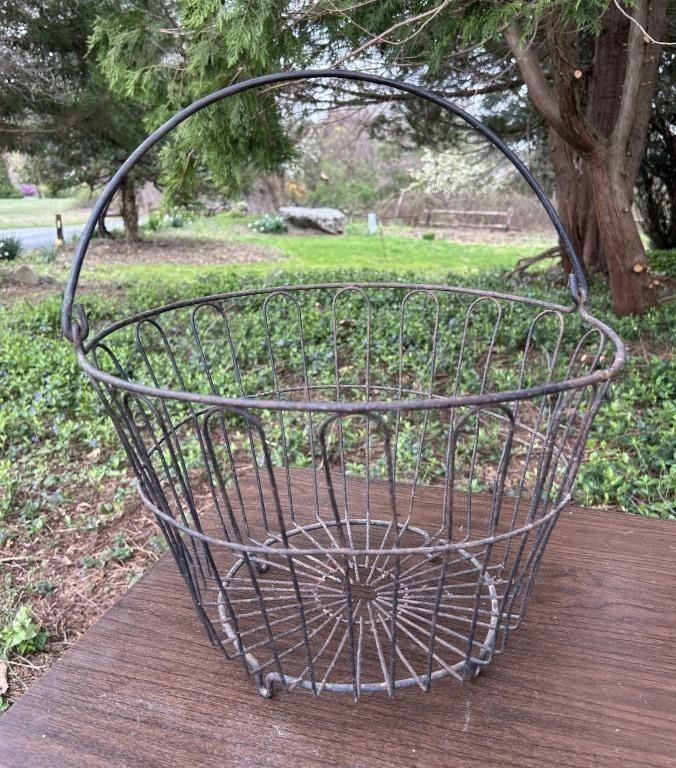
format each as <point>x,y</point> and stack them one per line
<point>129,209</point>
<point>656,183</point>
<point>628,274</point>
<point>575,203</point>
<point>104,232</point>
<point>595,205</point>
<point>597,113</point>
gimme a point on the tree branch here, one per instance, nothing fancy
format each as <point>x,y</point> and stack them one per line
<point>637,23</point>
<point>541,94</point>
<point>425,17</point>
<point>538,89</point>
<point>448,93</point>
<point>635,148</point>
<point>526,262</point>
<point>632,79</point>
<point>562,45</point>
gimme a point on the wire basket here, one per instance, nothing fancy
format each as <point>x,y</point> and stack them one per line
<point>357,481</point>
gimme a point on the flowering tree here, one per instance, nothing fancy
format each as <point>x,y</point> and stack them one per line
<point>452,172</point>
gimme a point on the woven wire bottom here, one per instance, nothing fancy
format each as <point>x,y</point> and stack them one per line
<point>351,630</point>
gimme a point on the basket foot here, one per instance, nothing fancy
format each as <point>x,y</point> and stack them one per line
<point>264,685</point>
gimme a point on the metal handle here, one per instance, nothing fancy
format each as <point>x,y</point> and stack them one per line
<point>76,329</point>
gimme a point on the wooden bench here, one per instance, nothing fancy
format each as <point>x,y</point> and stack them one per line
<point>446,217</point>
<point>589,680</point>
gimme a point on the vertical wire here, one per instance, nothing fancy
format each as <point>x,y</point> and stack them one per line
<point>275,378</point>
<point>482,389</point>
<point>494,517</point>
<point>447,518</point>
<point>344,544</point>
<point>575,400</point>
<point>543,404</point>
<point>360,292</point>
<point>242,391</point>
<point>577,452</point>
<point>246,557</point>
<point>545,407</point>
<point>142,469</point>
<point>185,562</point>
<point>429,391</point>
<point>543,468</point>
<point>175,445</point>
<point>289,558</point>
<point>143,403</point>
<point>211,306</point>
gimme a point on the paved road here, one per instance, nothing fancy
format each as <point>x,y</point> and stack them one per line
<point>41,237</point>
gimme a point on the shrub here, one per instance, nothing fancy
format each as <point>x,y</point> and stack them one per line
<point>29,190</point>
<point>663,261</point>
<point>174,219</point>
<point>10,248</point>
<point>7,190</point>
<point>269,224</point>
<point>154,222</point>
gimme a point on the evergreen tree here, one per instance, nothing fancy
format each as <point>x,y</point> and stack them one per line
<point>590,70</point>
<point>656,185</point>
<point>169,54</point>
<point>56,108</point>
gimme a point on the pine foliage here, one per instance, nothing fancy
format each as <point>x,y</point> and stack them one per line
<point>167,55</point>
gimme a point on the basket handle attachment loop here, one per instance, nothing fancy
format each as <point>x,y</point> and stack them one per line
<point>76,329</point>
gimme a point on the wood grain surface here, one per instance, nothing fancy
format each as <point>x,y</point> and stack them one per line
<point>588,680</point>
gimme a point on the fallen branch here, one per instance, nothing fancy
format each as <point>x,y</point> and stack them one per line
<point>523,264</point>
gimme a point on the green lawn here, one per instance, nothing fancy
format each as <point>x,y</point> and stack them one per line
<point>422,260</point>
<point>390,252</point>
<point>353,254</point>
<point>394,250</point>
<point>40,212</point>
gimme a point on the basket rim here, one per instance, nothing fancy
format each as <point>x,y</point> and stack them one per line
<point>354,407</point>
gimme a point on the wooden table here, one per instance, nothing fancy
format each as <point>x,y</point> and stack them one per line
<point>589,680</point>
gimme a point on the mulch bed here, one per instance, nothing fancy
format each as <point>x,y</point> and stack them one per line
<point>70,575</point>
<point>478,235</point>
<point>178,251</point>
